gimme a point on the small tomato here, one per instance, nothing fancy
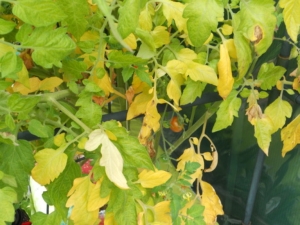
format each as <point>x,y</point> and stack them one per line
<point>175,125</point>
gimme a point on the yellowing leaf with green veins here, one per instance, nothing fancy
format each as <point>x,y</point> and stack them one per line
<point>290,135</point>
<point>59,139</point>
<point>145,18</point>
<point>199,72</point>
<point>227,111</point>
<point>277,111</point>
<point>160,36</point>
<point>173,11</point>
<point>162,213</point>
<point>151,179</point>
<point>211,202</point>
<point>150,122</point>
<point>189,155</point>
<point>50,163</point>
<point>79,197</point>
<point>111,157</point>
<point>226,80</point>
<point>262,132</point>
<point>291,12</point>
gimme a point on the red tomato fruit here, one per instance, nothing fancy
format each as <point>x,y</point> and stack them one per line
<point>86,167</point>
<point>175,126</point>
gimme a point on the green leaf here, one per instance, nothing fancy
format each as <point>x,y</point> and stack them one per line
<point>291,17</point>
<point>76,11</point>
<point>192,90</point>
<point>175,205</point>
<point>37,128</point>
<point>127,73</point>
<point>8,196</point>
<point>143,75</point>
<point>8,138</point>
<point>40,218</point>
<point>90,113</point>
<point>128,17</point>
<point>269,74</point>
<point>22,104</point>
<point>58,189</point>
<point>9,121</point>
<point>199,19</point>
<point>258,27</point>
<point>227,111</point>
<point>6,26</point>
<point>50,45</point>
<point>262,132</point>
<point>72,69</point>
<point>23,162</point>
<point>146,39</point>
<point>4,84</point>
<point>3,103</point>
<point>195,215</point>
<point>120,60</point>
<point>8,179</point>
<point>38,13</point>
<point>11,64</point>
<point>277,111</point>
<point>243,50</point>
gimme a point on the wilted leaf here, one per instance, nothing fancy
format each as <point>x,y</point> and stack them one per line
<point>290,135</point>
<point>50,163</point>
<point>151,179</point>
<point>226,80</point>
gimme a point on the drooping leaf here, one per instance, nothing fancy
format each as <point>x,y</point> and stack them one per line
<point>291,12</point>
<point>262,132</point>
<point>290,135</point>
<point>128,22</point>
<point>138,106</point>
<point>268,75</point>
<point>23,162</point>
<point>211,202</point>
<point>225,82</point>
<point>50,45</point>
<point>76,11</point>
<point>6,26</point>
<point>228,110</point>
<point>277,111</point>
<point>151,179</point>
<point>38,14</point>
<point>199,19</point>
<point>44,172</point>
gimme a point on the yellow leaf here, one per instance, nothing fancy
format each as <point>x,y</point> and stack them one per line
<point>49,84</point>
<point>291,17</point>
<point>50,163</point>
<point>139,105</point>
<point>207,156</point>
<point>186,55</point>
<point>263,131</point>
<point>189,155</point>
<point>59,139</point>
<point>174,91</point>
<point>130,40</point>
<point>160,36</point>
<point>226,80</point>
<point>212,203</point>
<point>290,135</point>
<point>145,18</point>
<point>79,196</point>
<point>23,77</point>
<point>104,83</point>
<point>111,157</point>
<point>150,179</point>
<point>95,202</point>
<point>173,11</point>
<point>162,213</point>
<point>199,72</point>
<point>231,48</point>
<point>227,29</point>
<point>81,143</point>
<point>150,122</point>
<point>34,85</point>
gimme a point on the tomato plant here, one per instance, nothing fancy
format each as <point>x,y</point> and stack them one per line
<point>175,124</point>
<point>77,75</point>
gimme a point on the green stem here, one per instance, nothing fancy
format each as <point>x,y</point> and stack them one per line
<point>56,124</point>
<point>55,95</point>
<point>212,110</point>
<point>69,114</point>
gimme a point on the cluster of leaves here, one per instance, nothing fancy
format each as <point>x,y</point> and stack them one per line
<point>64,63</point>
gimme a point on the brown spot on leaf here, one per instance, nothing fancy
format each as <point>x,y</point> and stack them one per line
<point>258,33</point>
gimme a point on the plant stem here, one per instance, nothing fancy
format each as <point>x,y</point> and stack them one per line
<point>69,114</point>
